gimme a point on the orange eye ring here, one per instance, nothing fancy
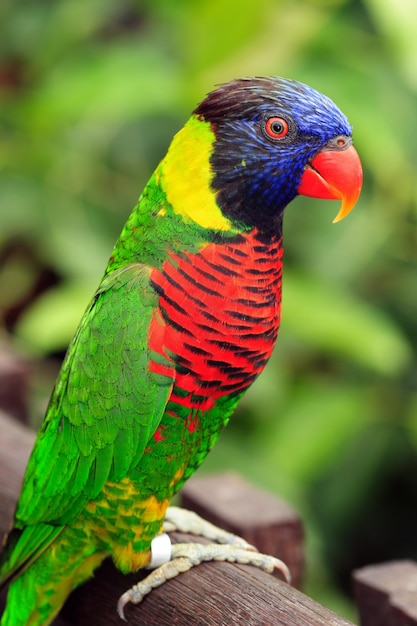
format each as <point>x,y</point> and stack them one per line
<point>276,127</point>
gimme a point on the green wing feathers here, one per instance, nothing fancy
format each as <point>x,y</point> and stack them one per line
<point>104,408</point>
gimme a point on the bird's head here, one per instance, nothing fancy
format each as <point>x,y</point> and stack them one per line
<point>259,142</point>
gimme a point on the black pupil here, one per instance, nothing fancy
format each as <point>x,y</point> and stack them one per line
<point>277,127</point>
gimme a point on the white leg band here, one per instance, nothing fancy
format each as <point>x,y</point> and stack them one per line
<point>161,550</point>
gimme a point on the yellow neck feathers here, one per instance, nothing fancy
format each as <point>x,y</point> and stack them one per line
<point>185,176</point>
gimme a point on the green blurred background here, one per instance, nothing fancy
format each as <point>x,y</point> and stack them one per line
<point>90,96</point>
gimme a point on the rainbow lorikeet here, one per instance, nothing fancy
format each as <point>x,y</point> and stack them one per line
<point>182,323</point>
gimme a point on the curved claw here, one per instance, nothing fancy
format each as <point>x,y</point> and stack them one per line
<point>121,603</point>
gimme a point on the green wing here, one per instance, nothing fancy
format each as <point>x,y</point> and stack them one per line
<point>104,408</point>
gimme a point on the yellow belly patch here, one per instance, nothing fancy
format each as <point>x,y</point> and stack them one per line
<point>126,523</point>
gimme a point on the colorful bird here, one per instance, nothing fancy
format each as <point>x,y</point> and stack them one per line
<point>182,323</point>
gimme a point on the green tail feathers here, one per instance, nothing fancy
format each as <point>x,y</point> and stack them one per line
<point>47,563</point>
<point>24,547</point>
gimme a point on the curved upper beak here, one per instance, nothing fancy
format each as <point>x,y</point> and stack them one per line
<point>334,174</point>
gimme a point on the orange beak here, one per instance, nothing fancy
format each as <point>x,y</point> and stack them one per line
<point>334,175</point>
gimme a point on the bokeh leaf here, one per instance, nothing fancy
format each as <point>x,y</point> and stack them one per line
<point>328,318</point>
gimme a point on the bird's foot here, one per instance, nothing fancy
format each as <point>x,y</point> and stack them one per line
<point>171,560</point>
<point>184,521</point>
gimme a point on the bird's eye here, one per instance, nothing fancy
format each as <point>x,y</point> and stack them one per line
<point>276,127</point>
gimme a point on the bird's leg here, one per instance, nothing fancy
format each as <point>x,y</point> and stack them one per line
<point>169,560</point>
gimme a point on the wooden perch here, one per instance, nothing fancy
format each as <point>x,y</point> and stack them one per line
<point>386,594</point>
<point>262,519</point>
<point>16,442</point>
<point>209,595</point>
<point>14,385</point>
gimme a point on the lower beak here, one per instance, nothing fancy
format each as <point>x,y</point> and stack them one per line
<point>334,175</point>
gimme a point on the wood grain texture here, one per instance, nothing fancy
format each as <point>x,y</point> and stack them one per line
<point>213,594</point>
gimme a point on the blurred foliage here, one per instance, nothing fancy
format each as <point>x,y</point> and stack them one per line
<point>90,95</point>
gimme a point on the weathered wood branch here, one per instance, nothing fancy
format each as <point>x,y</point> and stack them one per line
<point>211,594</point>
